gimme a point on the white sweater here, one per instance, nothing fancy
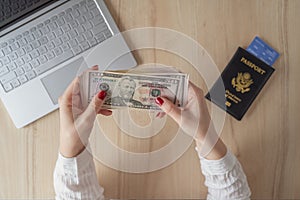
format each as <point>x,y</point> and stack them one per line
<point>75,178</point>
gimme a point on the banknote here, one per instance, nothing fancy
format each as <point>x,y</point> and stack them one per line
<point>132,90</point>
<point>183,86</point>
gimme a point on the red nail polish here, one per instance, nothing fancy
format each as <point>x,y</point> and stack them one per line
<point>102,95</point>
<point>159,101</point>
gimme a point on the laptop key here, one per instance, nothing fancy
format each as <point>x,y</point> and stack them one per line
<point>61,21</point>
<point>19,71</point>
<point>57,42</point>
<point>80,39</point>
<point>29,37</point>
<point>42,50</point>
<point>73,43</point>
<point>27,58</point>
<point>8,77</point>
<point>87,26</point>
<point>23,79</point>
<point>66,27</point>
<point>28,48</point>
<point>12,66</point>
<point>65,47</point>
<point>22,42</point>
<point>42,59</point>
<point>15,83</point>
<point>58,32</point>
<point>6,50</point>
<point>50,55</point>
<point>95,11</point>
<point>31,75</point>
<point>43,40</point>
<point>13,56</point>
<point>92,42</point>
<point>73,33</point>
<point>19,62</point>
<point>3,70</point>
<point>45,30</point>
<point>80,29</point>
<point>52,26</point>
<point>52,63</point>
<point>50,45</point>
<point>27,67</point>
<point>99,28</point>
<point>65,37</point>
<point>7,87</point>
<point>77,50</point>
<point>85,45</point>
<point>51,36</point>
<point>35,54</point>
<point>36,44</point>
<point>58,51</point>
<point>35,63</point>
<point>5,60</point>
<point>20,52</point>
<point>81,20</point>
<point>88,35</point>
<point>15,46</point>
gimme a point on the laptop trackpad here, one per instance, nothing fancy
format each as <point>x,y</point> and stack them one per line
<point>57,82</point>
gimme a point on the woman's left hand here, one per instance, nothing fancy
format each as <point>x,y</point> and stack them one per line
<point>76,122</point>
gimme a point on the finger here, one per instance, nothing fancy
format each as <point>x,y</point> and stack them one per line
<point>95,106</point>
<point>161,115</point>
<point>169,108</point>
<point>95,67</point>
<point>73,88</point>
<point>157,114</point>
<point>105,112</point>
<point>67,96</point>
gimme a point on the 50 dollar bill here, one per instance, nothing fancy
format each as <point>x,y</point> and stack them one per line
<point>132,90</point>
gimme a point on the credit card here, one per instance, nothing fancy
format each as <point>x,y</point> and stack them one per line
<point>263,51</point>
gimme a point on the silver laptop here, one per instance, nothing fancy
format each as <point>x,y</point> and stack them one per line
<point>43,44</point>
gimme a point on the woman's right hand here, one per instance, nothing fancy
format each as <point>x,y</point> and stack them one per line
<point>194,119</point>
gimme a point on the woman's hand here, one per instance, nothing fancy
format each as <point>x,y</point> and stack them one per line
<point>194,119</point>
<point>76,122</point>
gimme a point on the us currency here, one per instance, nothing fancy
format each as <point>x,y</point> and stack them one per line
<point>133,90</point>
<point>183,87</point>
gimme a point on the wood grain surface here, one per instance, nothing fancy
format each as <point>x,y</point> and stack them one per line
<point>265,141</point>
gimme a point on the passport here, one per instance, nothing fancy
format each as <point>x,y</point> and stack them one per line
<point>243,78</point>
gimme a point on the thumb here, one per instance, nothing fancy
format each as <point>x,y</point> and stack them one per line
<point>94,106</point>
<point>169,108</point>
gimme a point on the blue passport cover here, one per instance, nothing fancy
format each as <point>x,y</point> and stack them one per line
<point>243,78</point>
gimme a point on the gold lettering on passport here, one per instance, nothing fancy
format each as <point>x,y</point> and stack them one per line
<point>242,82</point>
<point>232,97</point>
<point>252,65</point>
<point>227,103</point>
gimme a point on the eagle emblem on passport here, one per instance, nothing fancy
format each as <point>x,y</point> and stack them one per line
<point>242,82</point>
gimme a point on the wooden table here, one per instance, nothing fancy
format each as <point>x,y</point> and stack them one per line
<point>265,141</point>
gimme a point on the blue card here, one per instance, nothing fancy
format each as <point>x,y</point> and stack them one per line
<point>263,51</point>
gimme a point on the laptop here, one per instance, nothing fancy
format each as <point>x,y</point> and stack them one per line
<point>43,43</point>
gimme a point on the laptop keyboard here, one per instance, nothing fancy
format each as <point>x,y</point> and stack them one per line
<point>50,43</point>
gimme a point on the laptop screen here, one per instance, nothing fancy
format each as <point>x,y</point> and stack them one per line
<point>12,11</point>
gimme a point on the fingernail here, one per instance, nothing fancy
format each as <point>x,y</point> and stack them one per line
<point>102,95</point>
<point>159,101</point>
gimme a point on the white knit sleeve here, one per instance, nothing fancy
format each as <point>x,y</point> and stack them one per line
<point>75,178</point>
<point>225,178</point>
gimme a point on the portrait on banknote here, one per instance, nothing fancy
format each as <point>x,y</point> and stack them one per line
<point>123,93</point>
